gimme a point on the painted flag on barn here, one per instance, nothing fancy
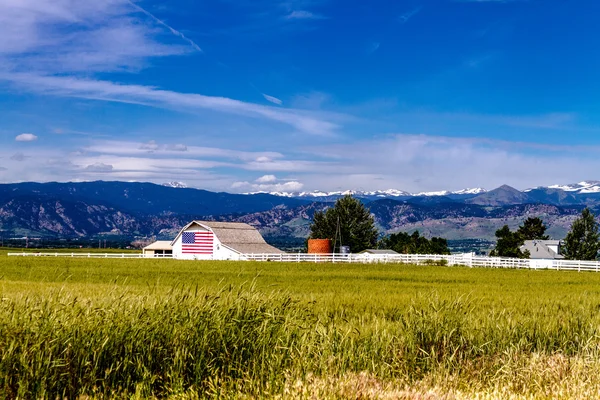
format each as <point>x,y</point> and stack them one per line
<point>197,242</point>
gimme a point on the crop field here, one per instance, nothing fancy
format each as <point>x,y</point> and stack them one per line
<point>158,328</point>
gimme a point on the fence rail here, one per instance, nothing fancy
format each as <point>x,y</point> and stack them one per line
<point>467,259</point>
<point>87,255</point>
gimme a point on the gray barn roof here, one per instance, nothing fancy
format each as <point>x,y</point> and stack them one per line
<point>539,249</point>
<point>378,251</point>
<point>237,236</point>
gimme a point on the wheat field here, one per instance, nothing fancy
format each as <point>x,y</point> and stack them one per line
<point>154,328</point>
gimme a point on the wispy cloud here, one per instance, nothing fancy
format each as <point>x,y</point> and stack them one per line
<point>303,14</point>
<point>408,15</point>
<point>172,30</point>
<point>56,47</point>
<point>373,47</point>
<point>58,36</point>
<point>145,95</point>
<point>272,99</point>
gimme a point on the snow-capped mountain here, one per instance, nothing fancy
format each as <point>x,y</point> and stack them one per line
<point>581,187</point>
<point>178,185</point>
<point>470,191</point>
<point>389,193</point>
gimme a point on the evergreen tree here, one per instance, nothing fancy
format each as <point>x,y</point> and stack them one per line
<point>404,243</point>
<point>533,229</point>
<point>349,219</point>
<point>582,241</point>
<point>509,244</point>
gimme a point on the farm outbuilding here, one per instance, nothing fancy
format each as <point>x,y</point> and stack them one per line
<point>160,248</point>
<point>210,240</point>
<point>379,252</point>
<point>543,249</point>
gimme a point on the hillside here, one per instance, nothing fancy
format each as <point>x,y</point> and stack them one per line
<point>134,210</point>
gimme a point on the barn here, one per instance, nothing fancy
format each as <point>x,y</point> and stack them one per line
<point>210,240</point>
<point>160,248</point>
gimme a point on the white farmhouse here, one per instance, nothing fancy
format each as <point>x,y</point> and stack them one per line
<point>209,240</point>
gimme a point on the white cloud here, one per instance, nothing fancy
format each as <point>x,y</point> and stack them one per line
<point>115,147</point>
<point>150,146</point>
<point>266,179</point>
<point>272,99</point>
<point>176,147</point>
<point>99,167</point>
<point>54,47</point>
<point>423,163</point>
<point>72,35</point>
<point>26,137</point>
<point>289,186</point>
<point>402,161</point>
<point>145,95</point>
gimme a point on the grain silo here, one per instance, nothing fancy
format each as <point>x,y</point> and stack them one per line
<point>319,246</point>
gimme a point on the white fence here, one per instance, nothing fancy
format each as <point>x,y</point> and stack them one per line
<point>88,255</point>
<point>466,259</point>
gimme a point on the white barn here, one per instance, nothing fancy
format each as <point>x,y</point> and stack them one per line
<point>160,248</point>
<point>210,240</point>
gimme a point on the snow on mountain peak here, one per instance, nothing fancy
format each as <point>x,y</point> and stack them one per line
<point>179,185</point>
<point>580,187</point>
<point>378,193</point>
<point>439,193</point>
<point>470,191</point>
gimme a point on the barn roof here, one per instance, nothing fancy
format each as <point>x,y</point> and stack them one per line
<point>378,251</point>
<point>539,249</point>
<point>160,245</point>
<point>237,236</point>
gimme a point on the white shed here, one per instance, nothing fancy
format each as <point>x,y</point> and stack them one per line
<point>210,240</point>
<point>160,248</point>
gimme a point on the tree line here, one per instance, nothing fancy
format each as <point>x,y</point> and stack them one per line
<point>350,223</point>
<point>581,243</point>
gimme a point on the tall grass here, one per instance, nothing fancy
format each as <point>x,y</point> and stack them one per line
<point>160,328</point>
<point>239,341</point>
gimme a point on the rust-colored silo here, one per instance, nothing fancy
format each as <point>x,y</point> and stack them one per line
<point>319,246</point>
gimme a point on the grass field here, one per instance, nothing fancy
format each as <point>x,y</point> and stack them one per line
<point>110,328</point>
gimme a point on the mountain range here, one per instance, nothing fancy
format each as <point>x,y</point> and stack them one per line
<point>134,210</point>
<point>584,192</point>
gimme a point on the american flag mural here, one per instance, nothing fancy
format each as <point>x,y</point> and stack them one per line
<point>197,242</point>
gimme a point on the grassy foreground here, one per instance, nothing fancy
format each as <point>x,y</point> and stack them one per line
<point>107,328</point>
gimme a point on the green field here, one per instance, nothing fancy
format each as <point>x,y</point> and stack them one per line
<point>136,328</point>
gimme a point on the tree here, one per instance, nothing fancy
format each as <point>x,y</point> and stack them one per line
<point>509,244</point>
<point>347,220</point>
<point>414,244</point>
<point>533,229</point>
<point>582,241</point>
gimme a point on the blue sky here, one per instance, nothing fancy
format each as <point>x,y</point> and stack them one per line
<point>295,95</point>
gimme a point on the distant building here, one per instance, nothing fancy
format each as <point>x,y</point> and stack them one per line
<point>210,240</point>
<point>160,248</point>
<point>543,249</point>
<point>378,252</point>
